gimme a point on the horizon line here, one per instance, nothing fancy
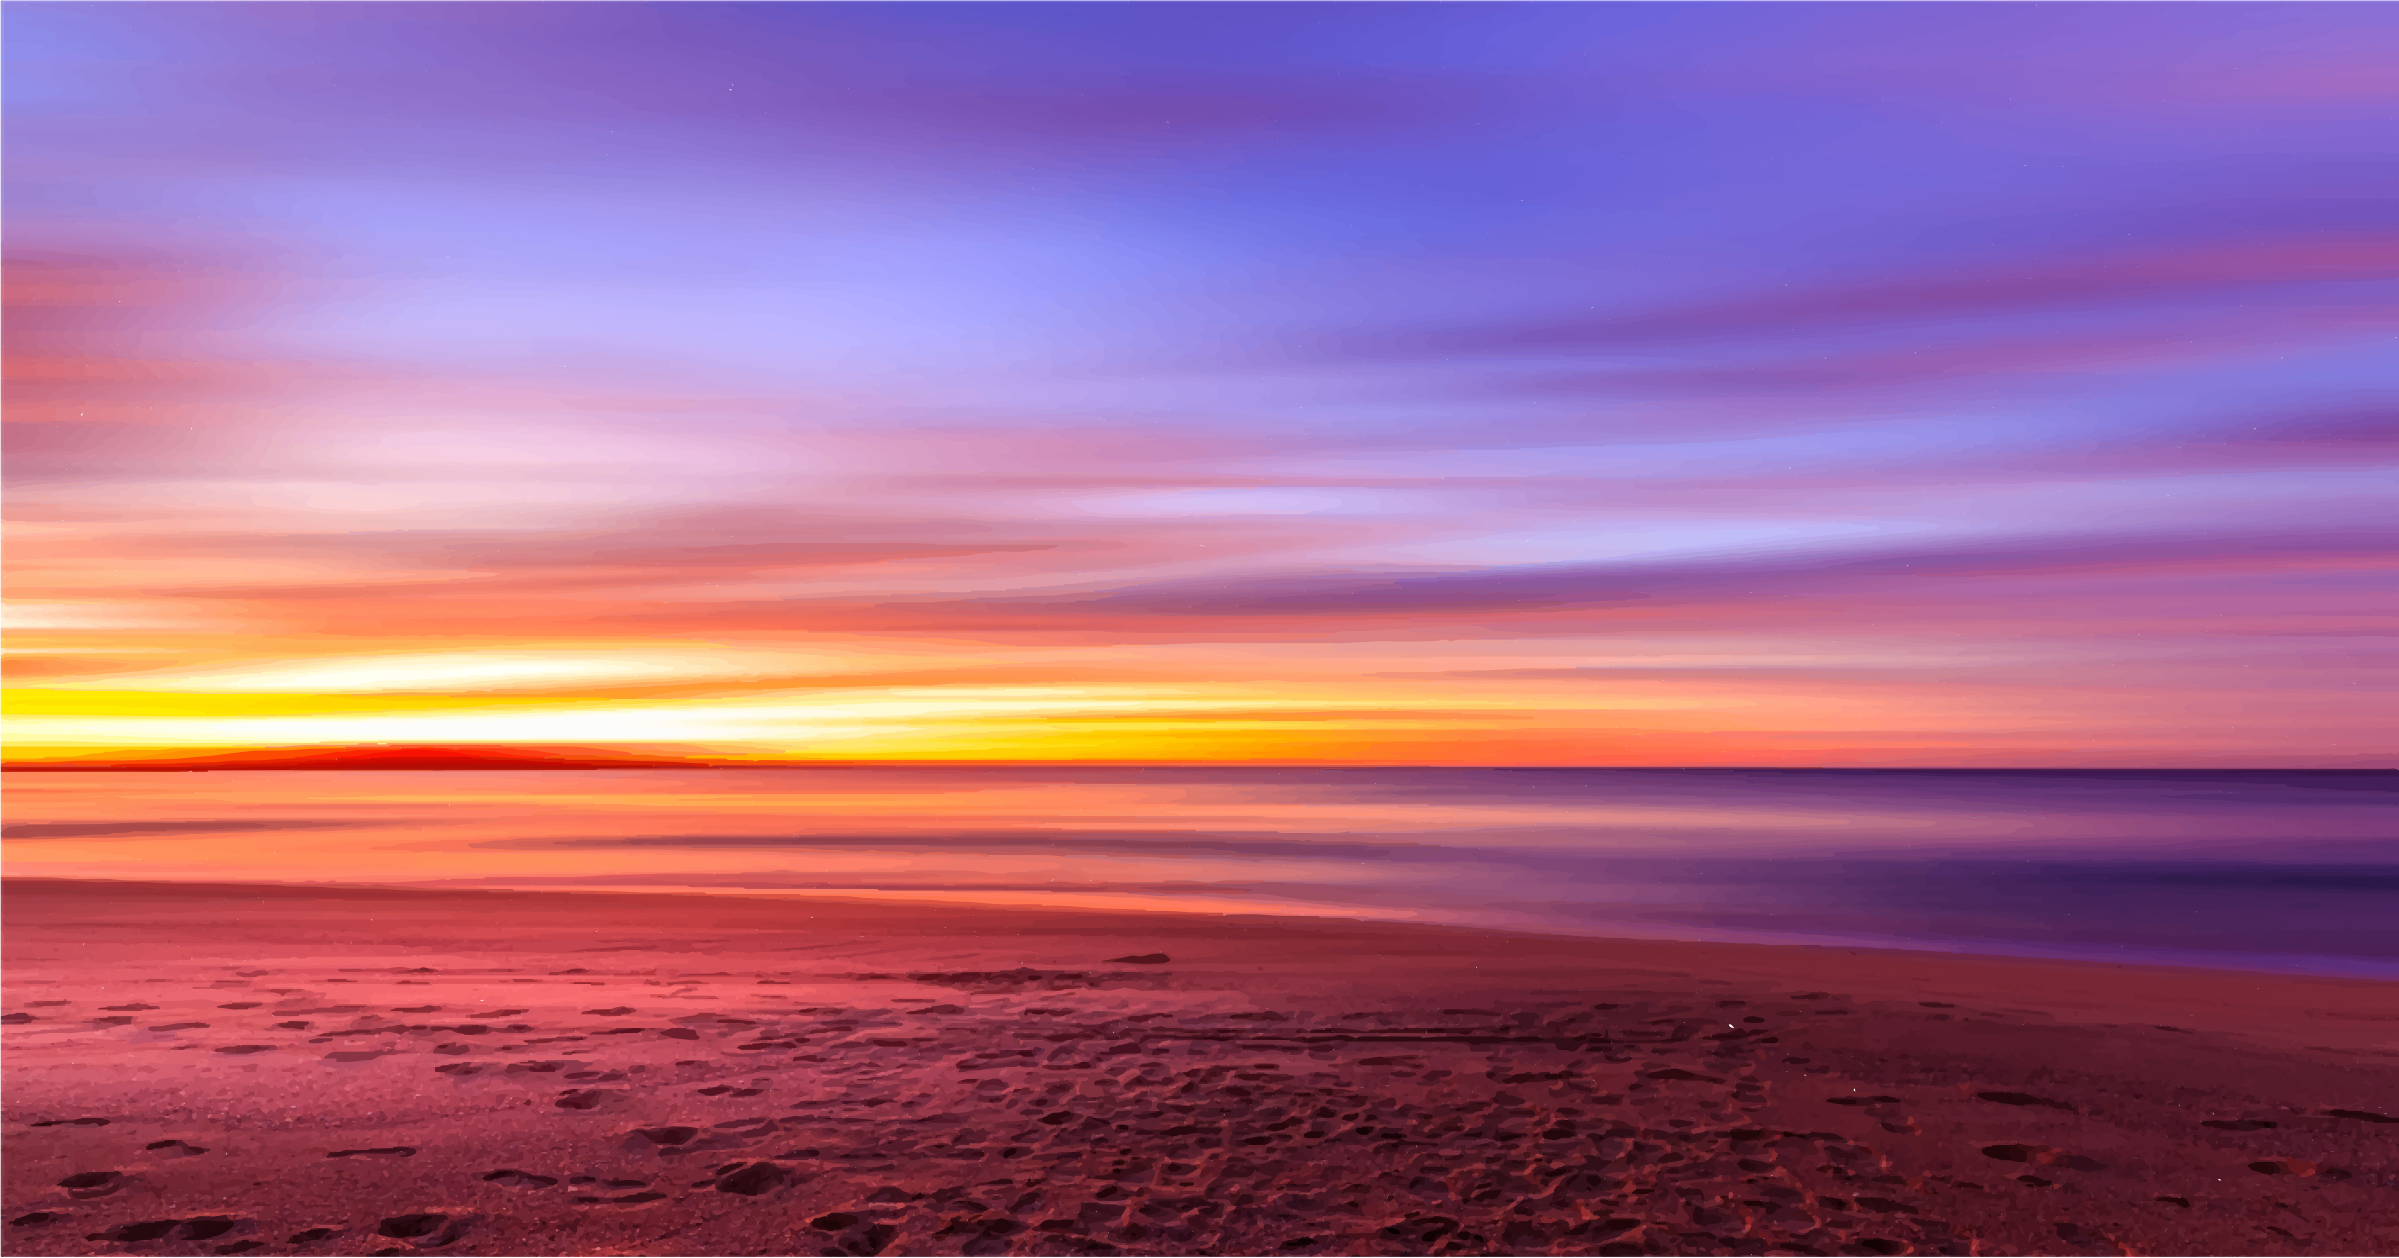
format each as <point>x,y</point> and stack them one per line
<point>173,766</point>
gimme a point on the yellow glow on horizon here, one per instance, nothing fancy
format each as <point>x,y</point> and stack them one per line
<point>898,719</point>
<point>453,672</point>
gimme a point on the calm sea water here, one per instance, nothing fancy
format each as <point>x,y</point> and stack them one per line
<point>2266,870</point>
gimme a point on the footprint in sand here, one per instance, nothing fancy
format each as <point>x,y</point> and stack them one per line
<point>84,1185</point>
<point>424,1229</point>
<point>630,1199</point>
<point>2042,1155</point>
<point>520,1179</point>
<point>2024,1098</point>
<point>173,1149</point>
<point>753,1179</point>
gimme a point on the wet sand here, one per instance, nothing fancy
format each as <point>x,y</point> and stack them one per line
<point>217,1069</point>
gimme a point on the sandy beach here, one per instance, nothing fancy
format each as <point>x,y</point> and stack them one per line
<point>224,1069</point>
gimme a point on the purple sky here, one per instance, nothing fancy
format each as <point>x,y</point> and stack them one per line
<point>1532,383</point>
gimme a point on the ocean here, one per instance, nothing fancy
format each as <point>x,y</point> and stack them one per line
<point>2286,871</point>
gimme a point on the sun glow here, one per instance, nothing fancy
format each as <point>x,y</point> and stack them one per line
<point>896,715</point>
<point>453,672</point>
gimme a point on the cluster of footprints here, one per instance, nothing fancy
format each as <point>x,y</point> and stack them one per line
<point>1032,1124</point>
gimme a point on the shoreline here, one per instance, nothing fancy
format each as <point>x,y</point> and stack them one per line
<point>2076,981</point>
<point>2297,965</point>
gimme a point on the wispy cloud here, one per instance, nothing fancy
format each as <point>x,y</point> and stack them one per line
<point>34,830</point>
<point>1826,574</point>
<point>1157,844</point>
<point>2232,268</point>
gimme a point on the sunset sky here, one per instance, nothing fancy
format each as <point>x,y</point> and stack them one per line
<point>1541,384</point>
